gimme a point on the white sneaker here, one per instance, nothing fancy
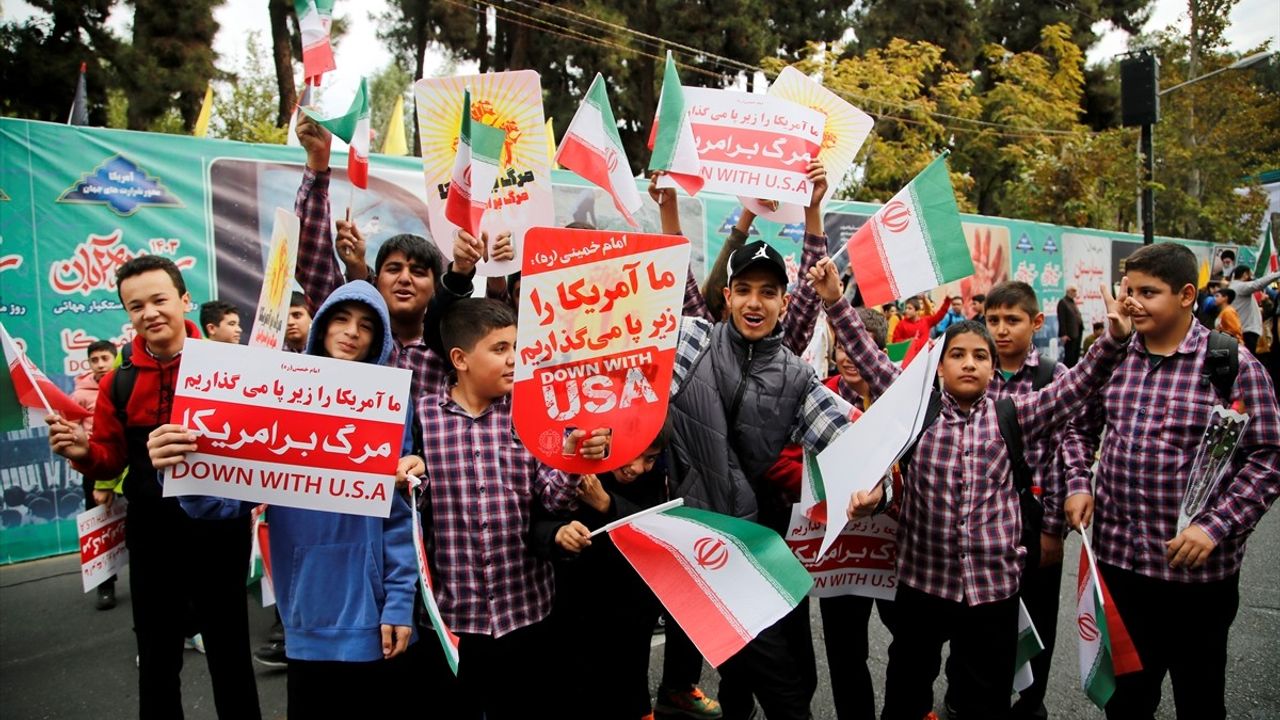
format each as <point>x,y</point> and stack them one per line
<point>195,642</point>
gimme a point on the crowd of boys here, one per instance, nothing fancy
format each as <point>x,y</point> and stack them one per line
<point>550,619</point>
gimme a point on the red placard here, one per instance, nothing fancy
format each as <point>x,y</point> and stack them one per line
<point>599,321</point>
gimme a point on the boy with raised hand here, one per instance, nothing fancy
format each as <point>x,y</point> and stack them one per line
<point>220,321</point>
<point>802,311</point>
<point>409,270</point>
<point>1243,284</point>
<point>164,583</point>
<point>481,487</point>
<point>960,552</point>
<point>345,583</point>
<point>1177,591</point>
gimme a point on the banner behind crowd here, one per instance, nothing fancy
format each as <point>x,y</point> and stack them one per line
<point>78,202</point>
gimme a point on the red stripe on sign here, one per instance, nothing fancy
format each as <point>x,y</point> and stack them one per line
<point>870,269</point>
<point>290,437</point>
<point>102,540</point>
<point>754,148</point>
<point>691,603</point>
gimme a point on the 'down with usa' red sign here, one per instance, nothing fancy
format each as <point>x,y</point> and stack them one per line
<point>599,320</point>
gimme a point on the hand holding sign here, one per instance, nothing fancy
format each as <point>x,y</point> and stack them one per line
<point>169,445</point>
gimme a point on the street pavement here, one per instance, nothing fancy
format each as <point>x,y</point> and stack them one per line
<point>61,658</point>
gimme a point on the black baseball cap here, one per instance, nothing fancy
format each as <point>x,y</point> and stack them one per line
<point>757,254</point>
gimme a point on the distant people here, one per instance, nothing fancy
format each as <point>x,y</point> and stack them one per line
<point>1244,286</point>
<point>978,302</point>
<point>220,321</point>
<point>102,355</point>
<point>298,324</point>
<point>1228,318</point>
<point>1092,337</point>
<point>1070,327</point>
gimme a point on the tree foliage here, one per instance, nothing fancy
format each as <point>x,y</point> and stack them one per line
<point>40,59</point>
<point>170,60</point>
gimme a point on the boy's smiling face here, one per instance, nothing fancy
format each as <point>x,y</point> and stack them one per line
<point>1159,308</point>
<point>755,299</point>
<point>350,331</point>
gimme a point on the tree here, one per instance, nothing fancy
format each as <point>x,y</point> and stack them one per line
<point>952,25</point>
<point>40,60</point>
<point>388,87</point>
<point>245,108</point>
<point>170,62</point>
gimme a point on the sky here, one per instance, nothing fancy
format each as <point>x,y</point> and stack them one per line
<point>361,53</point>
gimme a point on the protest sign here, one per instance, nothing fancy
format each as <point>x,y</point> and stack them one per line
<point>754,145</point>
<point>272,315</point>
<point>843,133</point>
<point>521,197</point>
<point>102,549</point>
<point>1087,266</point>
<point>599,320</point>
<point>294,430</point>
<point>861,562</point>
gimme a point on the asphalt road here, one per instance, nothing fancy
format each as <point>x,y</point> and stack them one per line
<point>60,658</point>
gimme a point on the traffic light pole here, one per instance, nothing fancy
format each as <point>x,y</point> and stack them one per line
<point>1148,193</point>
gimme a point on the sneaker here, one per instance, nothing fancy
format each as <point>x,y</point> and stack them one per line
<point>690,703</point>
<point>271,655</point>
<point>195,642</point>
<point>661,627</point>
<point>276,634</point>
<point>106,597</point>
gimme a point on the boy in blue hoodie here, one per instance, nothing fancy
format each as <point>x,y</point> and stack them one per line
<point>345,584</point>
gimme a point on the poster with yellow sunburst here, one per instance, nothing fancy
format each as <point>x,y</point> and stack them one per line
<point>272,314</point>
<point>512,102</point>
<point>846,129</point>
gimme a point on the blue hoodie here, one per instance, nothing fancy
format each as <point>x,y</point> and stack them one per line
<point>338,578</point>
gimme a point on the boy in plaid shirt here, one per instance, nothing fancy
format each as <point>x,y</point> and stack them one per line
<point>959,552</point>
<point>482,484</point>
<point>1177,592</point>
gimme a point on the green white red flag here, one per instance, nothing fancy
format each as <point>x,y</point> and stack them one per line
<point>912,244</point>
<point>447,639</point>
<point>314,20</point>
<point>1267,260</point>
<point>723,579</point>
<point>260,556</point>
<point>1029,646</point>
<point>353,127</point>
<point>1106,650</point>
<point>475,170</point>
<point>592,148</point>
<point>675,152</point>
<point>33,394</point>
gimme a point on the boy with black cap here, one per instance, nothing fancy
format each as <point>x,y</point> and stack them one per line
<point>738,397</point>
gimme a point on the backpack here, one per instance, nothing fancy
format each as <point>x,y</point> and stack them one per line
<point>1029,504</point>
<point>1221,365</point>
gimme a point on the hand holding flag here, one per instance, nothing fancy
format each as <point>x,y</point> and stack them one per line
<point>353,127</point>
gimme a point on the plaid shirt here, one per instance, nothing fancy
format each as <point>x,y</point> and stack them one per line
<point>802,310</point>
<point>482,486</point>
<point>1154,418</point>
<point>319,275</point>
<point>819,420</point>
<point>1044,455</point>
<point>961,522</point>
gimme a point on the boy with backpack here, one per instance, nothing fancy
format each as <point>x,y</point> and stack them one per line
<point>969,518</point>
<point>345,583</point>
<point>164,584</point>
<point>1178,591</point>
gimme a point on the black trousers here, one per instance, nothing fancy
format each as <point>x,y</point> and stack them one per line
<point>983,642</point>
<point>844,627</point>
<point>178,566</point>
<point>323,690</point>
<point>1071,352</point>
<point>777,668</point>
<point>681,661</point>
<point>1251,341</point>
<point>498,678</point>
<point>1180,629</point>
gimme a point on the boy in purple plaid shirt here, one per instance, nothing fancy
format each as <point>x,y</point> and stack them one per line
<point>960,556</point>
<point>1177,592</point>
<point>482,484</point>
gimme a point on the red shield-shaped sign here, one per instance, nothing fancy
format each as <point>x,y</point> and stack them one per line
<point>599,320</point>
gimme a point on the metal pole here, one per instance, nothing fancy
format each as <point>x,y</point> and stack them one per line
<point>1148,195</point>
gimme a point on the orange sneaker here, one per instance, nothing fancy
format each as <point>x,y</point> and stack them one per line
<point>692,703</point>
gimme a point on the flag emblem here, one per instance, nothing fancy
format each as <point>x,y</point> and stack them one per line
<point>711,553</point>
<point>896,216</point>
<point>1088,628</point>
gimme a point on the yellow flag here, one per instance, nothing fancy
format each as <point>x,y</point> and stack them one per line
<point>394,142</point>
<point>551,140</point>
<point>1204,275</point>
<point>206,109</point>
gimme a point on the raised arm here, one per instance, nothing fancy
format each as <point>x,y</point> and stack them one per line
<point>872,362</point>
<point>317,269</point>
<point>1253,286</point>
<point>718,274</point>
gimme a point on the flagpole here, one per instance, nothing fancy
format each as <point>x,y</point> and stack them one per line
<point>630,518</point>
<point>1093,564</point>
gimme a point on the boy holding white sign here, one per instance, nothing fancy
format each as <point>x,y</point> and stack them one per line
<point>960,542</point>
<point>481,486</point>
<point>345,584</point>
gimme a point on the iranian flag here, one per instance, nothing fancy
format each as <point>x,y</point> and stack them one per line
<point>447,639</point>
<point>314,19</point>
<point>353,127</point>
<point>1029,646</point>
<point>1267,260</point>
<point>1106,649</point>
<point>675,152</point>
<point>475,169</point>
<point>912,244</point>
<point>32,393</point>
<point>260,556</point>
<point>722,578</point>
<point>592,148</point>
